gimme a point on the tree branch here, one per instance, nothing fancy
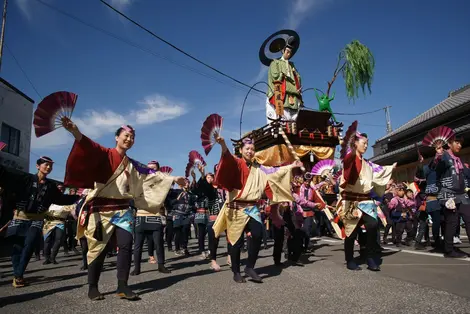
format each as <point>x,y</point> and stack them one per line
<point>335,74</point>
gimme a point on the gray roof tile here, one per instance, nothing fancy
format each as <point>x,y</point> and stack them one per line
<point>378,158</point>
<point>457,98</point>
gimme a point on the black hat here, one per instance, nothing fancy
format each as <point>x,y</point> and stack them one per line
<point>285,38</point>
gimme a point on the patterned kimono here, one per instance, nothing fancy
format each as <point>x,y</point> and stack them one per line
<point>116,180</point>
<point>357,181</point>
<point>246,186</point>
<point>284,72</point>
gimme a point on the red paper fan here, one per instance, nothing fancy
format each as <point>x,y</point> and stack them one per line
<point>195,158</point>
<point>349,133</point>
<point>441,133</point>
<point>50,111</point>
<point>210,127</point>
<point>187,172</point>
<point>166,170</point>
<point>2,146</point>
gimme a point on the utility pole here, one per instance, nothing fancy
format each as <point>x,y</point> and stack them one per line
<point>387,118</point>
<point>2,34</point>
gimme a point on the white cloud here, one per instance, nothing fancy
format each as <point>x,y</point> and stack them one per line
<point>298,11</point>
<point>93,123</point>
<point>158,109</point>
<point>24,6</point>
<point>121,4</point>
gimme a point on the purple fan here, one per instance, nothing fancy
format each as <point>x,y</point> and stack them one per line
<point>323,167</point>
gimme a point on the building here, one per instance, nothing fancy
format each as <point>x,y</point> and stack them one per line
<point>16,116</point>
<point>402,144</point>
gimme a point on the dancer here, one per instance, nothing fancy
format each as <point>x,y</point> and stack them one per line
<point>182,204</point>
<point>357,181</point>
<point>455,202</point>
<point>215,205</point>
<point>206,194</point>
<point>34,196</point>
<point>149,223</point>
<point>54,231</point>
<point>116,180</point>
<point>246,182</point>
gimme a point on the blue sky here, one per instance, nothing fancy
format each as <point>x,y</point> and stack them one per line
<point>421,50</point>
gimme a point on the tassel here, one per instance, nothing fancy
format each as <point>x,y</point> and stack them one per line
<point>98,234</point>
<point>311,157</point>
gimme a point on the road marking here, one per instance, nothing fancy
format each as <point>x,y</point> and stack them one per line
<point>466,259</point>
<point>441,264</point>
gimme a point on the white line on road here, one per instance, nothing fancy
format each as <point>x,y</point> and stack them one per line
<point>405,251</point>
<point>441,264</point>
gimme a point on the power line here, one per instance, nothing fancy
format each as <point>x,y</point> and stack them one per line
<point>22,70</point>
<point>202,62</point>
<point>176,48</point>
<point>135,45</point>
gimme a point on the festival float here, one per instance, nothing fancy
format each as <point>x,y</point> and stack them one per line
<point>293,131</point>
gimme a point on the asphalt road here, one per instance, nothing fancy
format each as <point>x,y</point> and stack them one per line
<point>410,282</point>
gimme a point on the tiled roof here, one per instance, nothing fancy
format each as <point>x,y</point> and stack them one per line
<point>457,98</point>
<point>458,130</point>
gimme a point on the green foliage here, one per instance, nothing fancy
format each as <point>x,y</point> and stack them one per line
<point>358,68</point>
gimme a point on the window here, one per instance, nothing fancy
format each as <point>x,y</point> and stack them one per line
<point>11,137</point>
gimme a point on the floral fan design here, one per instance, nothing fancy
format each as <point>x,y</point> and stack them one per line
<point>50,111</point>
<point>166,170</point>
<point>441,133</point>
<point>2,146</point>
<point>323,167</point>
<point>210,127</point>
<point>195,158</point>
<point>345,145</point>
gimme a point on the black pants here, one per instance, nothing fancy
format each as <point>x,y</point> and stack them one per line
<point>423,228</point>
<point>389,224</point>
<point>213,241</point>
<point>201,236</point>
<point>400,227</point>
<point>307,229</point>
<point>150,243</point>
<point>70,231</point>
<point>254,244</point>
<point>84,245</point>
<point>436,225</point>
<point>182,236</point>
<point>157,238</point>
<point>124,258</point>
<point>53,243</point>
<point>452,220</point>
<point>169,234</point>
<point>372,246</point>
<point>23,249</point>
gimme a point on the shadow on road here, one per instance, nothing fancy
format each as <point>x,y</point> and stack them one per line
<point>165,282</point>
<point>34,295</point>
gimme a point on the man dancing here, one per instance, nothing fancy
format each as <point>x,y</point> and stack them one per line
<point>34,196</point>
<point>149,224</point>
<point>246,182</point>
<point>116,180</point>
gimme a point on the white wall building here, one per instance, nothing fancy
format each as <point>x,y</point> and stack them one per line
<point>16,117</point>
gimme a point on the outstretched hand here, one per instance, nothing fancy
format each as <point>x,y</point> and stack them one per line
<point>71,127</point>
<point>297,164</point>
<point>181,181</point>
<point>221,141</point>
<point>439,145</point>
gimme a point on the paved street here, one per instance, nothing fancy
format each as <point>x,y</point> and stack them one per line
<point>410,282</point>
